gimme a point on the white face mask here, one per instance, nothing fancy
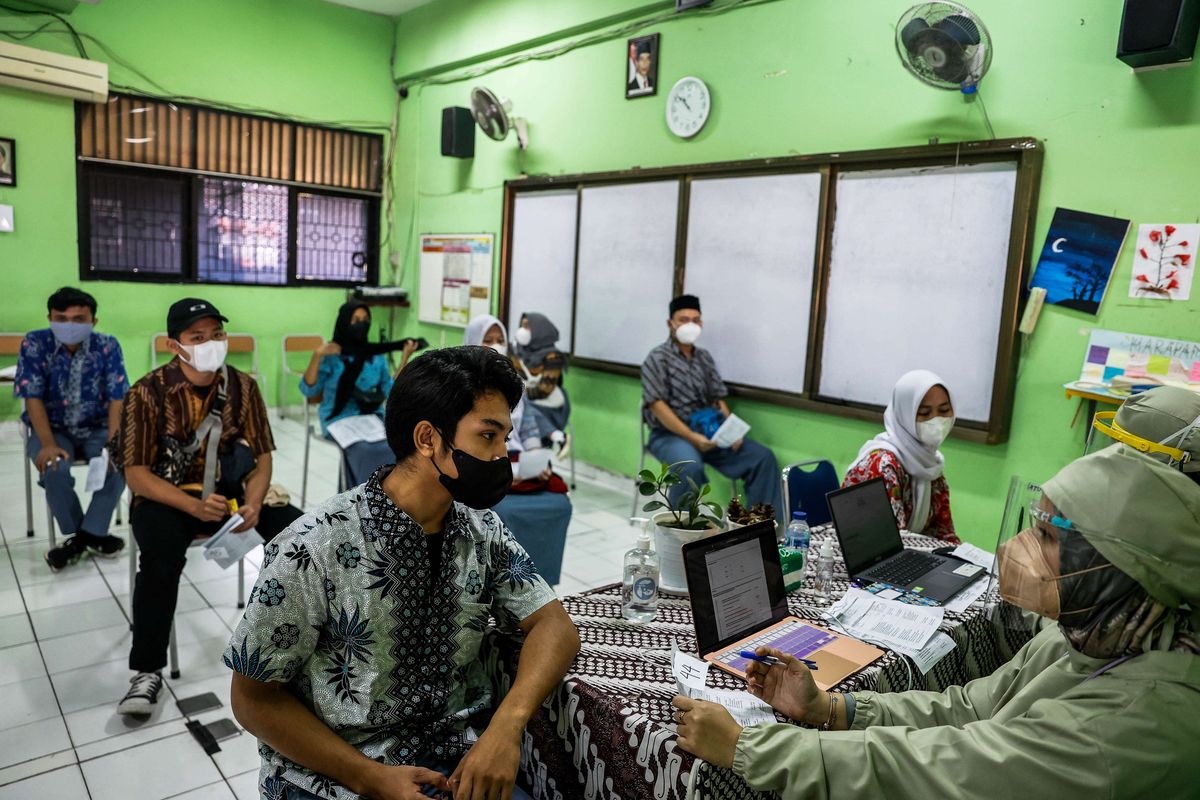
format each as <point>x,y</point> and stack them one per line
<point>206,356</point>
<point>688,333</point>
<point>933,432</point>
<point>499,347</point>
<point>523,336</point>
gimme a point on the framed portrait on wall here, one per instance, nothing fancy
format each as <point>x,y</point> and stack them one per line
<point>641,72</point>
<point>8,162</point>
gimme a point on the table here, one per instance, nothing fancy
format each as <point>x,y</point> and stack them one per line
<point>607,732</point>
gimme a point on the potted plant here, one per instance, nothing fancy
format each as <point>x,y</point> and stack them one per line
<point>688,518</point>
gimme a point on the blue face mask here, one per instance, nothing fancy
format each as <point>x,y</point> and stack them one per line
<point>71,333</point>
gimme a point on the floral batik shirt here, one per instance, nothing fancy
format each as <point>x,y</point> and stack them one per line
<point>346,613</point>
<point>886,464</point>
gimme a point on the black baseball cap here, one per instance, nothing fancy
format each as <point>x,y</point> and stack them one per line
<point>186,311</point>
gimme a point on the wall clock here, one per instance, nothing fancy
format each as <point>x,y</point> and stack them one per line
<point>688,105</point>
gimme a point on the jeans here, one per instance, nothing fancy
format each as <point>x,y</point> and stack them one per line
<point>363,458</point>
<point>60,484</point>
<point>163,536</point>
<point>753,464</point>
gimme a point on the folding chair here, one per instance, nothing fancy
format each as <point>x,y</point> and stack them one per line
<point>299,343</point>
<point>805,485</point>
<point>197,542</point>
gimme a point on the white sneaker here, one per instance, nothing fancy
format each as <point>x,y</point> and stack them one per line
<point>142,697</point>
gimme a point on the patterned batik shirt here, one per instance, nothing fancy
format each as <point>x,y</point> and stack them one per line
<point>685,384</point>
<point>345,613</point>
<point>886,464</point>
<point>75,387</point>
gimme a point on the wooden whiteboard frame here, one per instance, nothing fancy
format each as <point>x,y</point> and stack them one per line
<point>1026,153</point>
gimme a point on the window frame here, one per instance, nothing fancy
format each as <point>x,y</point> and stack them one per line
<point>191,188</point>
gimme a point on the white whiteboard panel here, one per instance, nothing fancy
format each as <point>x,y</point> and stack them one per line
<point>916,280</point>
<point>750,249</point>
<point>542,259</point>
<point>626,269</point>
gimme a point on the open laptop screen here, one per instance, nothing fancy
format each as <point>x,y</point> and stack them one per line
<point>866,526</point>
<point>735,582</point>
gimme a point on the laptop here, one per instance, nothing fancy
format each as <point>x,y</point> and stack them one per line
<point>735,585</point>
<point>874,553</point>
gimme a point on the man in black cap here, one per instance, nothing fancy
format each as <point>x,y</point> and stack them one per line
<point>682,395</point>
<point>195,446</point>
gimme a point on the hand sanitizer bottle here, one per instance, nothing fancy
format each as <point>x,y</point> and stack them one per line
<point>639,584</point>
<point>825,570</point>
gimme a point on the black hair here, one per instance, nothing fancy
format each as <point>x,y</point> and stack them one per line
<point>69,296</point>
<point>441,387</point>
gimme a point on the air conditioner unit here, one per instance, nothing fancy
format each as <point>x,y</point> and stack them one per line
<point>51,73</point>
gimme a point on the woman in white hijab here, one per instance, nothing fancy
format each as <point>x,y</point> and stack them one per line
<point>906,455</point>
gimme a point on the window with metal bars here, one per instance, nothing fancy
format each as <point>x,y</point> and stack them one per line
<point>180,193</point>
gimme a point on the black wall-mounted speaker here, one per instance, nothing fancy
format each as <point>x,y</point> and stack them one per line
<point>1157,33</point>
<point>458,132</point>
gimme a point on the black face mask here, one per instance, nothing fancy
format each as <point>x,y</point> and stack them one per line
<point>360,330</point>
<point>480,484</point>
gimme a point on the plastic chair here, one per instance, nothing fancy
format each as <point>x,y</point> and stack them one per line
<point>805,485</point>
<point>197,542</point>
<point>238,343</point>
<point>300,343</point>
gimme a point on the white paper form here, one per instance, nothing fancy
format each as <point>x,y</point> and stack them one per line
<point>361,428</point>
<point>976,555</point>
<point>97,472</point>
<point>962,601</point>
<point>690,676</point>
<point>731,430</point>
<point>533,463</point>
<point>897,626</point>
<point>226,547</point>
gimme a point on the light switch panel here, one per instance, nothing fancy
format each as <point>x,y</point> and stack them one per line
<point>6,219</point>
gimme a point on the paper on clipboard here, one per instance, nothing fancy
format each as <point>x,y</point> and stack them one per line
<point>97,472</point>
<point>732,430</point>
<point>533,463</point>
<point>361,428</point>
<point>226,547</point>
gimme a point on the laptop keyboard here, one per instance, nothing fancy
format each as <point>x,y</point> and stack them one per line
<point>796,638</point>
<point>903,570</point>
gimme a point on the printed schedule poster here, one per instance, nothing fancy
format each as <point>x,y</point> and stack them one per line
<point>456,277</point>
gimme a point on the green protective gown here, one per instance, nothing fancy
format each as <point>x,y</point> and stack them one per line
<point>1036,728</point>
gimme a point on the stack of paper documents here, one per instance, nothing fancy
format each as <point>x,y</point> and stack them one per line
<point>226,547</point>
<point>908,629</point>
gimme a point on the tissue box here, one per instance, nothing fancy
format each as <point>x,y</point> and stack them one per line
<point>793,568</point>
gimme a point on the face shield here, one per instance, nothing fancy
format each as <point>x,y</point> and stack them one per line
<point>1174,450</point>
<point>1045,564</point>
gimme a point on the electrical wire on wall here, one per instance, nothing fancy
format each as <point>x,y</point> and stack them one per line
<point>584,41</point>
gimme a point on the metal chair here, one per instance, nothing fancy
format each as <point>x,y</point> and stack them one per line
<point>197,542</point>
<point>805,485</point>
<point>299,343</point>
<point>238,343</point>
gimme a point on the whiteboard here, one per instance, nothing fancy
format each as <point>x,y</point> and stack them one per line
<point>542,259</point>
<point>750,249</point>
<point>456,278</point>
<point>626,269</point>
<point>916,280</point>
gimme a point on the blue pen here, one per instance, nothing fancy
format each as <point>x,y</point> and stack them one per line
<point>772,660</point>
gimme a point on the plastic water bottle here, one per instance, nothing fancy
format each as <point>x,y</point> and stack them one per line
<point>639,583</point>
<point>825,570</point>
<point>798,533</point>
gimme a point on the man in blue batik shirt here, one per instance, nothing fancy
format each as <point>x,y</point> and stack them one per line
<point>72,380</point>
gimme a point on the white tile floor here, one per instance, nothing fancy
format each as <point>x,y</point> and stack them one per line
<point>64,641</point>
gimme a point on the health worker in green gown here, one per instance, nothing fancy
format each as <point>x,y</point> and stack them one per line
<point>1103,704</point>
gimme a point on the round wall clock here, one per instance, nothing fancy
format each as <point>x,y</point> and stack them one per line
<point>688,104</point>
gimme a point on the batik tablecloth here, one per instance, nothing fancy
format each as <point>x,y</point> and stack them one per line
<point>607,731</point>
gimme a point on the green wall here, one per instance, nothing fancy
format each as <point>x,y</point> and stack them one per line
<point>297,57</point>
<point>803,77</point>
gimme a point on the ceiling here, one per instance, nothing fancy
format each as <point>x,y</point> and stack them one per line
<point>389,8</point>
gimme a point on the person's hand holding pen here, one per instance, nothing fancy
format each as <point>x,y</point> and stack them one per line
<point>786,684</point>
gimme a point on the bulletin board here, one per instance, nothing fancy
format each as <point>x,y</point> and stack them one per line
<point>456,277</point>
